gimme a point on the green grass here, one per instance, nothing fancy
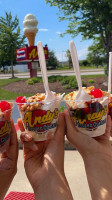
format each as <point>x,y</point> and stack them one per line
<point>93,76</point>
<point>6,95</point>
<point>91,67</point>
<point>81,67</point>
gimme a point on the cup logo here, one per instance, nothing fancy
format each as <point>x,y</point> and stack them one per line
<point>40,120</point>
<point>5,127</point>
<point>90,120</point>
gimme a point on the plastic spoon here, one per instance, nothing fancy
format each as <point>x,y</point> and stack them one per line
<point>82,95</point>
<point>49,95</point>
<point>110,71</point>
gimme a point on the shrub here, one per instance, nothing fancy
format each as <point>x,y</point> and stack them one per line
<point>40,80</point>
<point>105,70</point>
<point>59,78</point>
<point>65,80</point>
<point>35,80</point>
<point>67,87</point>
<point>52,79</point>
<point>73,84</point>
<point>83,84</point>
<point>91,81</point>
<point>30,82</point>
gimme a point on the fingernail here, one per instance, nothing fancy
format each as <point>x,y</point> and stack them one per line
<point>28,137</point>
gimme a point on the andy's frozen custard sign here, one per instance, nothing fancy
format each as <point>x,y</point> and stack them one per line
<point>29,53</point>
<point>40,120</point>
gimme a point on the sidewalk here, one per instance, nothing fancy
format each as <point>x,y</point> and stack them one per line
<point>74,170</point>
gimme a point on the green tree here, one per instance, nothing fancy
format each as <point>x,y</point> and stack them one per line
<point>84,63</point>
<point>96,53</point>
<point>3,62</point>
<point>90,18</point>
<point>10,39</point>
<point>68,55</point>
<point>52,61</point>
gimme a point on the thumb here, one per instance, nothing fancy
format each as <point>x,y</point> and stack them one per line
<point>73,135</point>
<point>20,124</point>
<point>60,131</point>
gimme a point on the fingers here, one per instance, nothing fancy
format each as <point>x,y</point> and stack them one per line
<point>73,135</point>
<point>28,142</point>
<point>71,129</point>
<point>60,131</point>
<point>12,151</point>
<point>25,138</point>
<point>13,135</point>
<point>108,127</point>
<point>111,128</point>
<point>20,124</point>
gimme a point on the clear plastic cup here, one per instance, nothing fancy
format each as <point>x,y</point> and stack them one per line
<point>40,119</point>
<point>90,117</point>
<point>5,129</point>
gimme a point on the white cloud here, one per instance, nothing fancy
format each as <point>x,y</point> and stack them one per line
<point>82,53</point>
<point>61,56</point>
<point>43,29</point>
<point>58,32</point>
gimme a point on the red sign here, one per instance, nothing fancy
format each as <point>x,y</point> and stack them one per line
<point>29,54</point>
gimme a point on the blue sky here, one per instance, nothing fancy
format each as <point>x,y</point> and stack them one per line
<point>49,26</point>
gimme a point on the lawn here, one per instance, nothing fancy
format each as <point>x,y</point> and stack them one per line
<point>6,95</point>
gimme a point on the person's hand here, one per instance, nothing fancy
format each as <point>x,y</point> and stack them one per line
<point>44,164</point>
<point>97,155</point>
<point>8,163</point>
<point>86,145</point>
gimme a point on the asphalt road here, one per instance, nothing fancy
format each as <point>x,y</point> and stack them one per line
<point>55,72</point>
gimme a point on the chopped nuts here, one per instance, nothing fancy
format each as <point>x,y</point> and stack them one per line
<point>35,102</point>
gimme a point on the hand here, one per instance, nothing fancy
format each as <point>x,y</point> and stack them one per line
<point>8,163</point>
<point>44,164</point>
<point>97,156</point>
<point>86,145</point>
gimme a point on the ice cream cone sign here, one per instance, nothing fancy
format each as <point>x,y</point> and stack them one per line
<point>30,28</point>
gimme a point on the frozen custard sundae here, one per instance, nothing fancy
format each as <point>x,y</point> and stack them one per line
<point>5,124</point>
<point>30,28</point>
<point>39,118</point>
<point>89,117</point>
<point>110,106</point>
